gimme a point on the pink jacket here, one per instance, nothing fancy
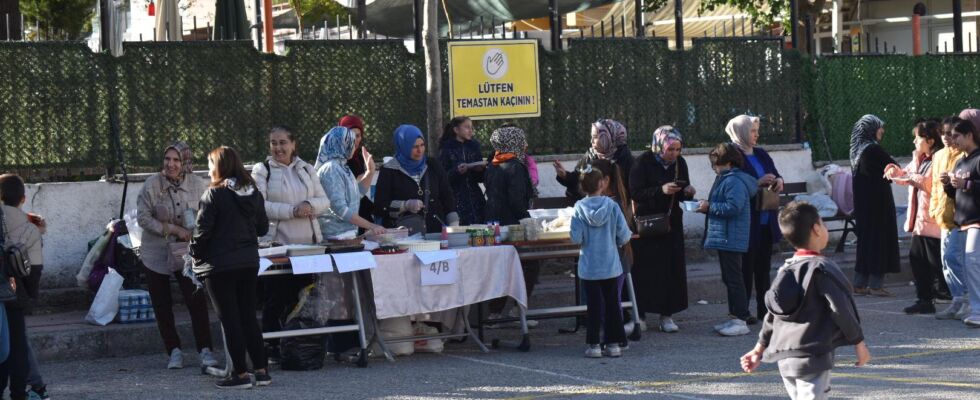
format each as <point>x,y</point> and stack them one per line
<point>920,186</point>
<point>532,169</point>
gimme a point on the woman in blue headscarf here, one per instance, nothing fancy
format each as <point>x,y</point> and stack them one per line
<point>874,208</point>
<point>342,188</point>
<point>413,184</point>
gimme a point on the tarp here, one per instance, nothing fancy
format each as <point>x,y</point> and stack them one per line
<point>396,17</point>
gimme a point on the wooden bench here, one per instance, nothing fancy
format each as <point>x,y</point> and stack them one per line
<point>791,190</point>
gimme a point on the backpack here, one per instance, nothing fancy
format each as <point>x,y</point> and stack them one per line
<point>14,255</point>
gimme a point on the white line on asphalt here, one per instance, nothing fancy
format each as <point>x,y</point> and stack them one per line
<point>566,376</point>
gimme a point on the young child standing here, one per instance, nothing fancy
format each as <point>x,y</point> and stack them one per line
<point>811,311</point>
<point>729,216</point>
<point>600,227</point>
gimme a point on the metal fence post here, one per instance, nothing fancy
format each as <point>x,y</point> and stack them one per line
<point>640,29</point>
<point>679,24</point>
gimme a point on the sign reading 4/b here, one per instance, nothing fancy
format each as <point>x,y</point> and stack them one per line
<point>440,273</point>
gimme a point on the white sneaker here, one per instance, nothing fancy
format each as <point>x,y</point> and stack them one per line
<point>593,351</point>
<point>972,321</point>
<point>629,327</point>
<point>207,358</point>
<point>951,311</point>
<point>667,325</point>
<point>964,312</point>
<point>736,328</point>
<point>612,350</point>
<point>176,359</point>
<point>723,325</point>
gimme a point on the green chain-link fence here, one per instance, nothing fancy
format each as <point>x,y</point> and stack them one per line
<point>56,99</point>
<point>899,89</point>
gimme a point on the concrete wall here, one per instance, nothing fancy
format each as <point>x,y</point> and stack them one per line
<point>78,212</point>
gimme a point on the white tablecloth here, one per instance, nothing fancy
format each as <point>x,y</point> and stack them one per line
<point>484,273</point>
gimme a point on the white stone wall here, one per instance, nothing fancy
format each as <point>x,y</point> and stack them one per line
<point>78,212</point>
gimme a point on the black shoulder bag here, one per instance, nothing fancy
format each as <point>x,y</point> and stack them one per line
<point>416,222</point>
<point>657,224</point>
<point>14,254</point>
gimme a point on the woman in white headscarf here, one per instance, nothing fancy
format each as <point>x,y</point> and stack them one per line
<point>743,131</point>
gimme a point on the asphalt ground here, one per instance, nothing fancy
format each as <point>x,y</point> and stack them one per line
<point>914,357</point>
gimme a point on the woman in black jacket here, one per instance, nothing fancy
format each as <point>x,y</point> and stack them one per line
<point>226,257</point>
<point>608,143</point>
<point>460,156</point>
<point>659,182</point>
<point>407,180</point>
<point>509,193</point>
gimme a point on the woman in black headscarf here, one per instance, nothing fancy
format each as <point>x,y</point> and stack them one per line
<point>874,208</point>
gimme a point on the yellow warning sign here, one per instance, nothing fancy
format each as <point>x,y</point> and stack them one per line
<point>494,79</point>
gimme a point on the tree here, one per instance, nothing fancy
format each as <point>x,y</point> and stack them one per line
<point>316,11</point>
<point>433,73</point>
<point>762,12</point>
<point>65,17</point>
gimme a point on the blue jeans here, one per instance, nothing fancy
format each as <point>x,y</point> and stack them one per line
<point>972,268</point>
<point>954,261</point>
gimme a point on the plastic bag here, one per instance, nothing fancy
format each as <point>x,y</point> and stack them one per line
<point>826,206</point>
<point>135,231</point>
<point>429,345</point>
<point>106,303</point>
<point>306,353</point>
<point>393,328</point>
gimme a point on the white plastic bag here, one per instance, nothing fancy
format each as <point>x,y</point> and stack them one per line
<point>135,231</point>
<point>430,345</point>
<point>106,303</point>
<point>396,327</point>
<point>824,204</point>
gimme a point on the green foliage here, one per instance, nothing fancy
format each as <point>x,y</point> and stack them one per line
<point>314,12</point>
<point>71,17</point>
<point>899,89</point>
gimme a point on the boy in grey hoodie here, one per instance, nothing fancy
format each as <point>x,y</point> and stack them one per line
<point>600,227</point>
<point>811,311</point>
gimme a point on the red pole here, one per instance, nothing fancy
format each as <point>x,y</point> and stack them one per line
<point>267,18</point>
<point>916,35</point>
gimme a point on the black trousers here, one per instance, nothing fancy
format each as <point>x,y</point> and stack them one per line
<point>926,261</point>
<point>756,267</point>
<point>163,307</point>
<point>233,296</point>
<point>16,367</point>
<point>731,275</point>
<point>604,311</point>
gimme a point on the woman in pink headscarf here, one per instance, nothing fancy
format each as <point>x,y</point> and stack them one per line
<point>608,143</point>
<point>658,183</point>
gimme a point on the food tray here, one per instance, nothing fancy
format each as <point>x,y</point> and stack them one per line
<point>390,235</point>
<point>296,250</point>
<point>419,245</point>
<point>554,235</point>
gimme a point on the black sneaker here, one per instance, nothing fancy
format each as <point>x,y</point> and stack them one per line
<point>234,382</point>
<point>921,307</point>
<point>750,320</point>
<point>262,379</point>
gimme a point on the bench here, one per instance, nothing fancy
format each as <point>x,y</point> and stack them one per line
<point>790,190</point>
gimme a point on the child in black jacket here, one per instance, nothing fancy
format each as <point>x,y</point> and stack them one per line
<point>811,311</point>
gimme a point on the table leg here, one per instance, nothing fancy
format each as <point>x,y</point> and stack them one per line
<point>635,312</point>
<point>578,302</point>
<point>359,315</point>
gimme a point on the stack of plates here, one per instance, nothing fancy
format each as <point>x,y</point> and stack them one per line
<point>419,245</point>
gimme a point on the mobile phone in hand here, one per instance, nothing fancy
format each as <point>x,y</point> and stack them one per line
<point>682,184</point>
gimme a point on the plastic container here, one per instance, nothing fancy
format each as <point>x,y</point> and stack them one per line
<point>690,205</point>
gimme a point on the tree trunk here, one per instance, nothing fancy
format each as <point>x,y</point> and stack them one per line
<point>433,74</point>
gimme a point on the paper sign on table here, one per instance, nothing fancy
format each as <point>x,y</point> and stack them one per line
<point>444,272</point>
<point>348,262</point>
<point>429,257</point>
<point>264,264</point>
<point>311,264</point>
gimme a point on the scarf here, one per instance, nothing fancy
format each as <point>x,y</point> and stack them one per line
<point>664,137</point>
<point>739,130</point>
<point>509,143</point>
<point>607,135</point>
<point>336,144</point>
<point>186,159</point>
<point>863,135</point>
<point>405,137</point>
<point>972,115</point>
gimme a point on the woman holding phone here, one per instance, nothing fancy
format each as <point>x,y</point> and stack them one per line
<point>658,183</point>
<point>608,143</point>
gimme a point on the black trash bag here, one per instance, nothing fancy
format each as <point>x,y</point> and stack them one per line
<point>306,353</point>
<point>303,353</point>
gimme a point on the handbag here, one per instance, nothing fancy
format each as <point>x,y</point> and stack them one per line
<point>415,222</point>
<point>14,254</point>
<point>656,224</point>
<point>767,199</point>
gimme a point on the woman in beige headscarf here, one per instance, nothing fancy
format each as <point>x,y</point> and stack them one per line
<point>743,130</point>
<point>166,210</point>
